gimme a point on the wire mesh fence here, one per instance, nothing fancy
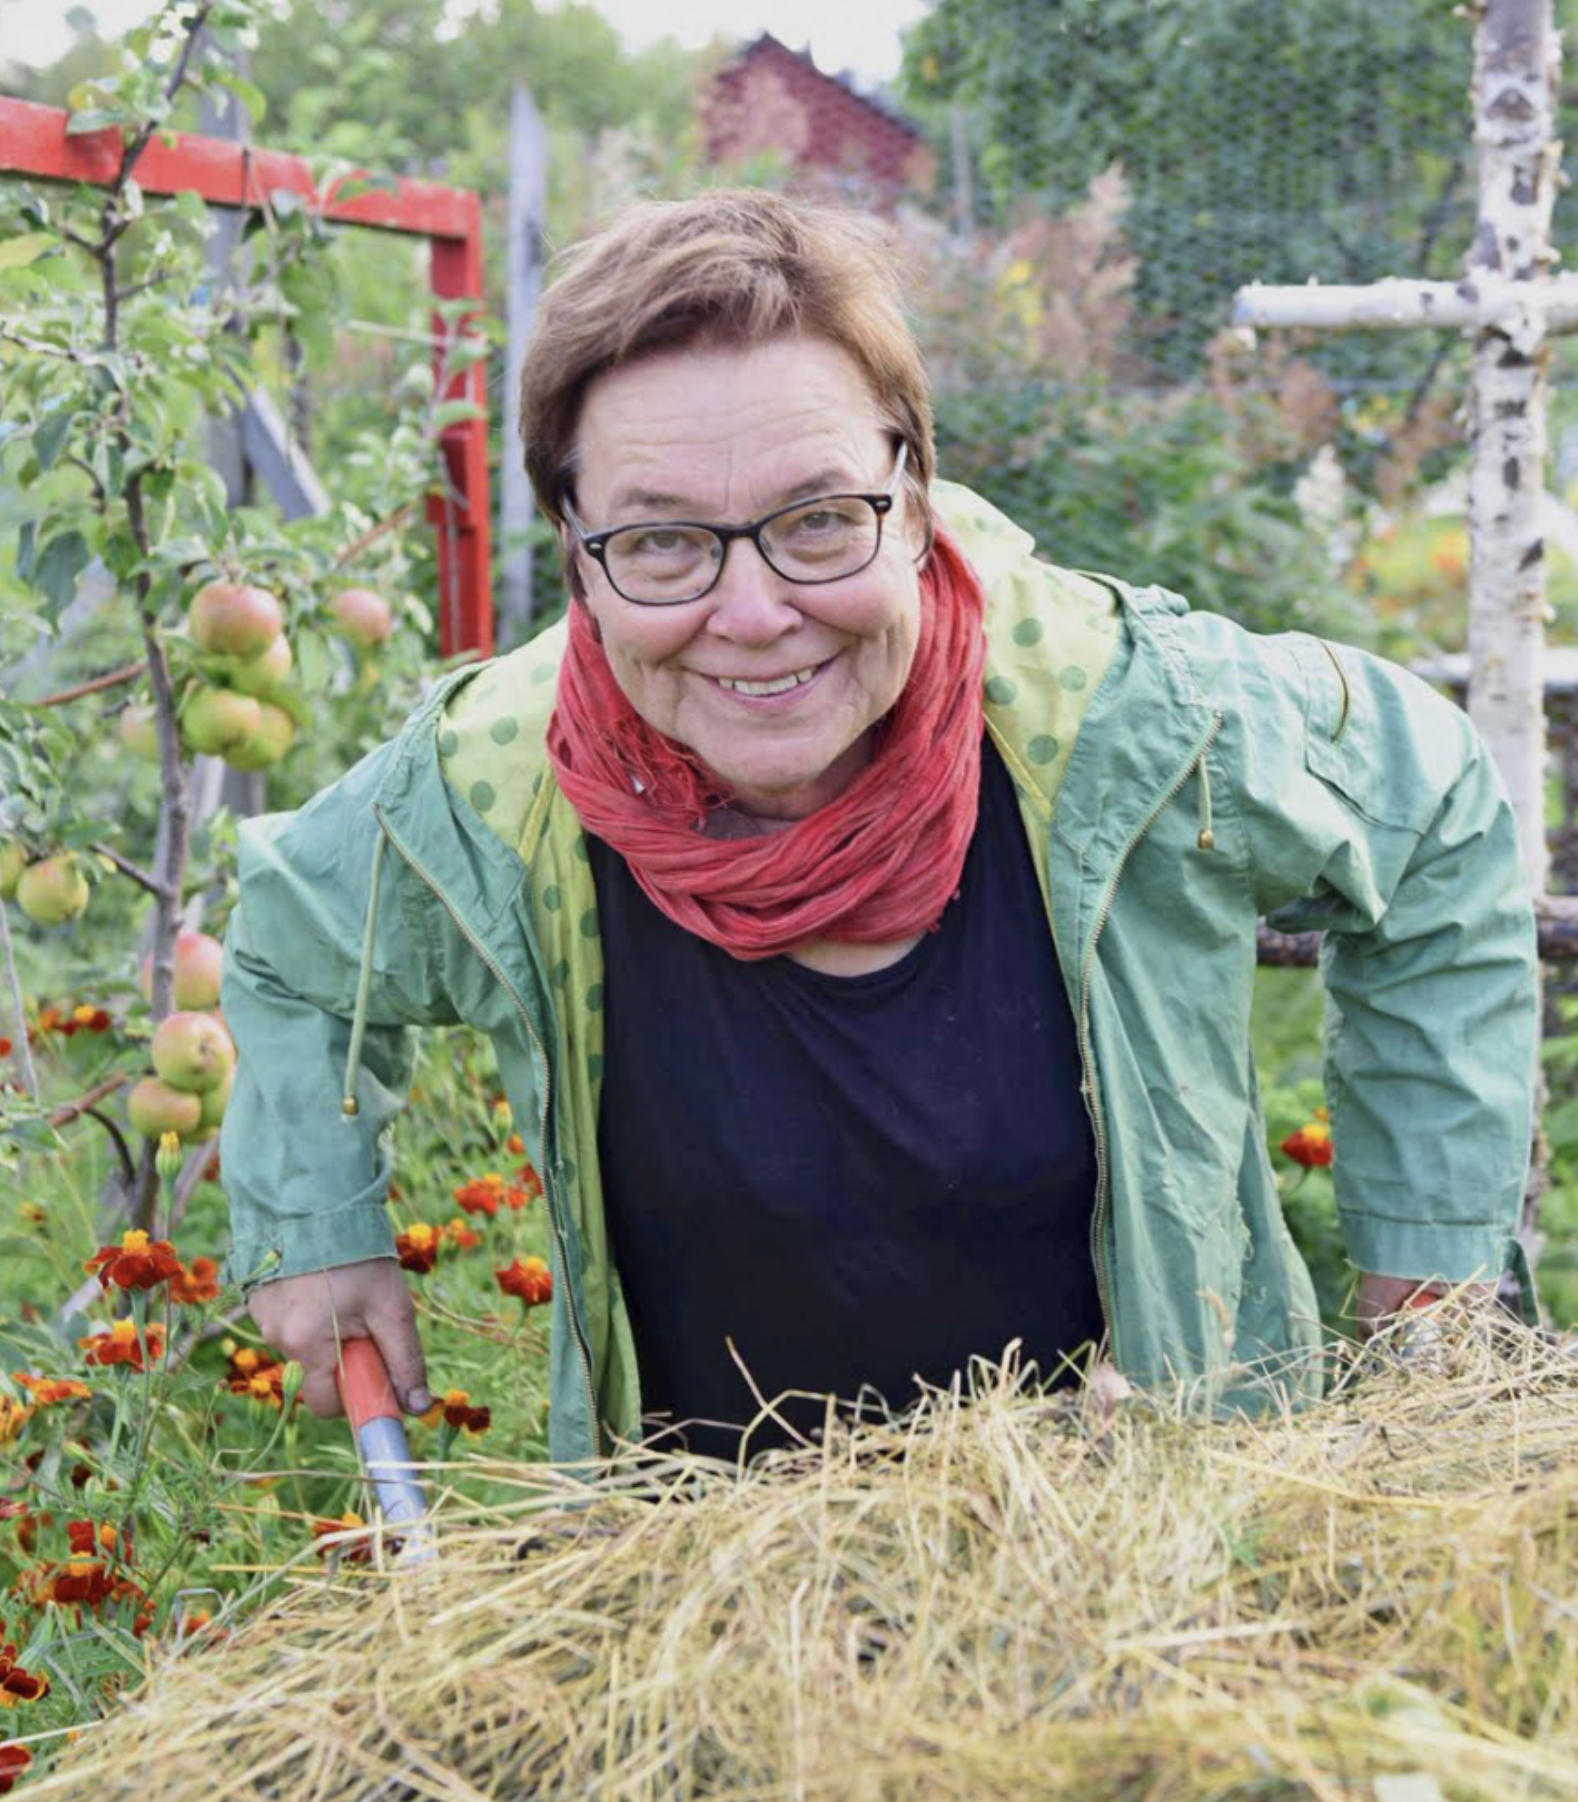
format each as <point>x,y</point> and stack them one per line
<point>1109,175</point>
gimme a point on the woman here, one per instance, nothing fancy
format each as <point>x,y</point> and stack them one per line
<point>863,911</point>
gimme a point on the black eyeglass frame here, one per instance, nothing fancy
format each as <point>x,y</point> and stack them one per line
<point>595,544</point>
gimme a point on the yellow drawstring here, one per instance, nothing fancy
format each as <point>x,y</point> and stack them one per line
<point>364,982</point>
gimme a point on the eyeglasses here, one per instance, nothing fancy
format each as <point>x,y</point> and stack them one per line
<point>667,562</point>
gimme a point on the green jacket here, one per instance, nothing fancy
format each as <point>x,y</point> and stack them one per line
<point>1178,777</point>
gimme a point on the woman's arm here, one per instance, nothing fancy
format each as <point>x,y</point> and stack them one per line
<point>1375,814</point>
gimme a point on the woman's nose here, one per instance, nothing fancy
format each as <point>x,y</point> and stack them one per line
<point>751,601</point>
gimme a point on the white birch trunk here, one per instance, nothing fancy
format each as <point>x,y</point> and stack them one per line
<point>1516,65</point>
<point>1394,304</point>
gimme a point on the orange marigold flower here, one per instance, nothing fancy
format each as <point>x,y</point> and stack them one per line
<point>121,1345</point>
<point>528,1278</point>
<point>461,1236</point>
<point>418,1247</point>
<point>101,1021</point>
<point>16,1684</point>
<point>256,1374</point>
<point>482,1194</point>
<point>530,1182</point>
<point>195,1282</point>
<point>266,1387</point>
<point>14,1760</point>
<point>13,1417</point>
<point>81,1583</point>
<point>515,1145</point>
<point>358,1552</point>
<point>1310,1145</point>
<point>83,1013</point>
<point>138,1262</point>
<point>5,1047</point>
<point>88,1538</point>
<point>456,1411</point>
<point>47,1391</point>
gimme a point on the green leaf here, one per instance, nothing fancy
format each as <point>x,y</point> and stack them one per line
<point>456,412</point>
<point>461,353</point>
<point>60,563</point>
<point>95,119</point>
<point>250,96</point>
<point>36,1132</point>
<point>19,252</point>
<point>50,435</point>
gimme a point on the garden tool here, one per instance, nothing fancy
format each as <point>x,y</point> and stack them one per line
<point>375,1416</point>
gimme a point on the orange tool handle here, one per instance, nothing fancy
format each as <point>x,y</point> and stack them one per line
<point>365,1388</point>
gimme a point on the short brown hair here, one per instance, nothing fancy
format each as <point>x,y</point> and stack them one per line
<point>736,266</point>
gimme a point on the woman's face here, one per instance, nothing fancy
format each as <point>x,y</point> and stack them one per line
<point>722,437</point>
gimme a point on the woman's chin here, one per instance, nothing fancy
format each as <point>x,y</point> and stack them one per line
<point>790,791</point>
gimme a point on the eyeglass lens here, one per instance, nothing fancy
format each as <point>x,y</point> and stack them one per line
<point>820,542</point>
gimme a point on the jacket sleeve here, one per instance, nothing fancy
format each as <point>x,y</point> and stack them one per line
<point>1385,826</point>
<point>306,1183</point>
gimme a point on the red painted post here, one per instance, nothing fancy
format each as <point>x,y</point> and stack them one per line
<point>461,515</point>
<point>34,142</point>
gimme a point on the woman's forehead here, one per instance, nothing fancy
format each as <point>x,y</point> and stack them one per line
<point>697,423</point>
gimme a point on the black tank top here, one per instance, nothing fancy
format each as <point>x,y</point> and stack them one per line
<point>859,1180</point>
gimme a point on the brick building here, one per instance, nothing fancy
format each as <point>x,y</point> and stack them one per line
<point>770,98</point>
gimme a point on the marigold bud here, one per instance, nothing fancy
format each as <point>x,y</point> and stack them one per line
<point>290,1382</point>
<point>167,1161</point>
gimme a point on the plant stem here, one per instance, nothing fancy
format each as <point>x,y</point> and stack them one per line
<point>134,872</point>
<point>96,685</point>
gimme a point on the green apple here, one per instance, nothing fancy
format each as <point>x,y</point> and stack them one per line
<point>192,1052</point>
<point>13,861</point>
<point>53,890</point>
<point>234,619</point>
<point>153,1107</point>
<point>273,738</point>
<point>265,674</point>
<point>218,720</point>
<point>139,731</point>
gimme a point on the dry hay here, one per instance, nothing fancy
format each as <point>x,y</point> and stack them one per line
<point>1011,1595</point>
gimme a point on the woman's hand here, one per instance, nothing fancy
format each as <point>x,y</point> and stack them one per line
<point>1383,1297</point>
<point>306,1317</point>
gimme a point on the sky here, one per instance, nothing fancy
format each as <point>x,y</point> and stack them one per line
<point>859,35</point>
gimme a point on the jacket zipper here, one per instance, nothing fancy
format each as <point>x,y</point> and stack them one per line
<point>1086,1052</point>
<point>542,1127</point>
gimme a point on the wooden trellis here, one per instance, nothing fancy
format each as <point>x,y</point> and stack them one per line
<point>34,142</point>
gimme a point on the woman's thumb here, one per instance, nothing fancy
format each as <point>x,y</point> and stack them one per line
<point>402,1353</point>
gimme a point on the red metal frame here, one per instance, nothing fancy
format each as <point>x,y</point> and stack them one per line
<point>33,142</point>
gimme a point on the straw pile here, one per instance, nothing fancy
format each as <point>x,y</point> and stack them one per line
<point>1005,1595</point>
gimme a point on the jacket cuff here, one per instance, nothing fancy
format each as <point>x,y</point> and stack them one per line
<point>317,1242</point>
<point>1457,1253</point>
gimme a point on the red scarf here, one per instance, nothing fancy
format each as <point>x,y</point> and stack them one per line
<point>878,863</point>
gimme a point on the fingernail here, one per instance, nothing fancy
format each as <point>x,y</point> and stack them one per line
<point>418,1401</point>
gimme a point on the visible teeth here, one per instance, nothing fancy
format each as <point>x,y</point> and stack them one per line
<point>782,686</point>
